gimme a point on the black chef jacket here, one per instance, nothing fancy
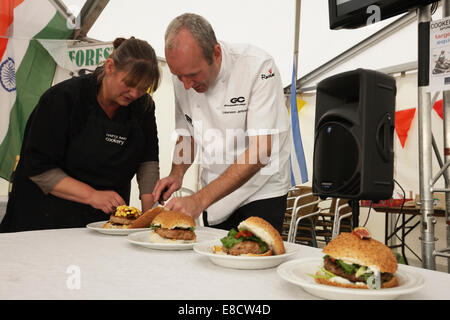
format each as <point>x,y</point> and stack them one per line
<point>69,130</point>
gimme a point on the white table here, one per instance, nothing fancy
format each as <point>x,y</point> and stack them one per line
<point>35,265</point>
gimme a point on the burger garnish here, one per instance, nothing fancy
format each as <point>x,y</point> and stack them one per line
<point>254,237</point>
<point>123,218</point>
<point>362,232</point>
<point>353,261</point>
<point>172,226</point>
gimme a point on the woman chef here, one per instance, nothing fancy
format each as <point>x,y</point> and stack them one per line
<point>83,143</point>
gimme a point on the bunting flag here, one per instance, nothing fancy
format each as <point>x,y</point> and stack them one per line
<point>300,104</point>
<point>438,107</point>
<point>403,119</point>
<point>26,68</point>
<point>297,138</point>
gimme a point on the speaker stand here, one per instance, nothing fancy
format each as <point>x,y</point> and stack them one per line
<point>355,212</point>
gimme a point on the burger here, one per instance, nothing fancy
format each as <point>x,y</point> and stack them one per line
<point>122,218</point>
<point>254,237</point>
<point>173,227</point>
<point>355,260</point>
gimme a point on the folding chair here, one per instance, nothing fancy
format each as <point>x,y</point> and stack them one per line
<point>302,207</point>
<point>333,219</point>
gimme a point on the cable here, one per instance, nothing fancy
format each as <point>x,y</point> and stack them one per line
<point>401,208</point>
<point>368,214</point>
<point>434,7</point>
<point>404,195</point>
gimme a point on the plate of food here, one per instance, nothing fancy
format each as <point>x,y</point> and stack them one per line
<point>172,230</point>
<point>125,220</point>
<point>255,245</point>
<point>355,267</point>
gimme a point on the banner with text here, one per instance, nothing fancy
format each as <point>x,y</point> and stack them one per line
<point>78,58</point>
<point>439,55</point>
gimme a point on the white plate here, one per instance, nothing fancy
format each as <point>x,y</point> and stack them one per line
<point>296,272</point>
<point>97,226</point>
<point>143,239</point>
<point>245,262</point>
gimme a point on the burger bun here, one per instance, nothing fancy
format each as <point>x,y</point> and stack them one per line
<point>146,219</point>
<point>365,252</point>
<point>266,232</point>
<point>173,219</point>
<point>156,238</point>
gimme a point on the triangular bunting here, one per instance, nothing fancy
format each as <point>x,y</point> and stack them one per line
<point>300,104</point>
<point>403,119</point>
<point>438,107</point>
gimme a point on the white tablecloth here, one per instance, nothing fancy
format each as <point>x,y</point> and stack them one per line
<point>37,265</point>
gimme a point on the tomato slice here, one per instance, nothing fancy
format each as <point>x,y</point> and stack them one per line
<point>362,233</point>
<point>243,233</point>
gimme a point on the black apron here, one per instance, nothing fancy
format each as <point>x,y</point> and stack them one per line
<point>105,155</point>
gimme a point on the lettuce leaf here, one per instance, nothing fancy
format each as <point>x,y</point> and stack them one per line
<point>229,241</point>
<point>348,268</point>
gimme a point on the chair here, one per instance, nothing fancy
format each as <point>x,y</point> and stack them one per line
<point>334,219</point>
<point>302,207</point>
<point>183,192</point>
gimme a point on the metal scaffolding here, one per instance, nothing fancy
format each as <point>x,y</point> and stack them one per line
<point>444,170</point>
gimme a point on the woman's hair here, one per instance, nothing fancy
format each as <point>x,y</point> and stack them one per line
<point>200,29</point>
<point>138,58</point>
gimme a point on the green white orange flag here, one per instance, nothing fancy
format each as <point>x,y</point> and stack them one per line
<point>26,68</point>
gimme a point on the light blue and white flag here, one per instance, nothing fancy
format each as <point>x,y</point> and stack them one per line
<point>299,154</point>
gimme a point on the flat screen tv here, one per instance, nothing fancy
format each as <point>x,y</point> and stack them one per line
<point>351,14</point>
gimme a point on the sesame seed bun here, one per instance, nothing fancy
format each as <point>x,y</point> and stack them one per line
<point>389,284</point>
<point>265,231</point>
<point>365,252</point>
<point>173,219</point>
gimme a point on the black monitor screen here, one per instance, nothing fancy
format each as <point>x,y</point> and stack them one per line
<point>347,6</point>
<point>352,14</point>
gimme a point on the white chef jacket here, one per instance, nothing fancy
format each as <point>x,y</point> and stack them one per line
<point>246,99</point>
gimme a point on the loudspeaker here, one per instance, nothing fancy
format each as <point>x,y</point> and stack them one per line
<point>354,130</point>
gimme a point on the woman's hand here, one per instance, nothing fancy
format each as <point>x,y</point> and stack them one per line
<point>71,189</point>
<point>105,200</point>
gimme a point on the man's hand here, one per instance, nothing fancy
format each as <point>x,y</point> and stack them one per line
<point>190,205</point>
<point>166,186</point>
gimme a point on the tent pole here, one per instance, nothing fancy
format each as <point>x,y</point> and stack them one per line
<point>298,5</point>
<point>425,140</point>
<point>88,15</point>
